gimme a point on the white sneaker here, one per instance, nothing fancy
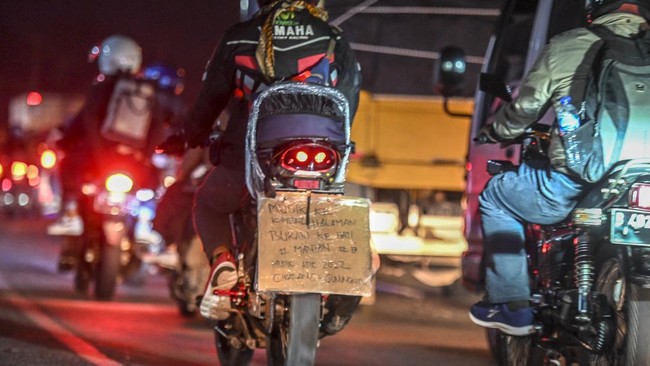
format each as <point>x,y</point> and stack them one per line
<point>223,278</point>
<point>168,258</point>
<point>67,225</point>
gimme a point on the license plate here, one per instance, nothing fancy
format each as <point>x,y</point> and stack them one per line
<point>630,227</point>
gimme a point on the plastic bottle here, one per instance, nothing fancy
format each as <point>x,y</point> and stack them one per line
<point>568,116</point>
<point>568,119</point>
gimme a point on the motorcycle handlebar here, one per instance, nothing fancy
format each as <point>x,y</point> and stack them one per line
<point>174,145</point>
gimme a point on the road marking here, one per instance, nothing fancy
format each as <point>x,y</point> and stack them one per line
<point>82,348</point>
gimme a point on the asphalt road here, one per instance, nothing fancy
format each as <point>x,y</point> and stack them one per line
<point>43,322</point>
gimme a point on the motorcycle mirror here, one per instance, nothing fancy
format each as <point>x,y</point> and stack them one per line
<point>492,84</point>
<point>451,70</point>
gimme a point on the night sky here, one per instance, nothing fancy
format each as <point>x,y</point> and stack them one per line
<point>44,43</point>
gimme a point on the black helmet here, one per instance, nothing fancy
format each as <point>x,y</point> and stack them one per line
<point>596,8</point>
<point>267,2</point>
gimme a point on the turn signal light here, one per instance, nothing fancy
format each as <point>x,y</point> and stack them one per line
<point>640,196</point>
<point>119,183</point>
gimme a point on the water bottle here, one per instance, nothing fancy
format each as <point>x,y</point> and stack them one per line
<point>568,116</point>
<point>568,119</point>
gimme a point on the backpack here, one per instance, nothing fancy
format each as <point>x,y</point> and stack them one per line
<point>615,124</point>
<point>129,114</point>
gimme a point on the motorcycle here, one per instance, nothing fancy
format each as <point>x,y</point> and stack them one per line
<point>302,248</point>
<point>589,275</point>
<point>183,261</point>
<point>112,205</point>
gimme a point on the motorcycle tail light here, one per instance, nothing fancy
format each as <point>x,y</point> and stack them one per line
<point>306,183</point>
<point>18,170</point>
<point>119,183</point>
<point>640,196</point>
<point>6,185</point>
<point>48,159</point>
<point>1,170</point>
<point>312,157</point>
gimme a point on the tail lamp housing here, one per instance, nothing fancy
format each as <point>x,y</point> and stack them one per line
<point>640,196</point>
<point>311,157</point>
<point>305,164</point>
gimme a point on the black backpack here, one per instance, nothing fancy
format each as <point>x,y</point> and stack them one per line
<point>616,116</point>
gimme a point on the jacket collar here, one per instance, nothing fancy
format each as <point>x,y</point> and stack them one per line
<point>622,24</point>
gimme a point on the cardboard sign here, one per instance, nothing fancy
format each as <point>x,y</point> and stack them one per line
<point>312,242</point>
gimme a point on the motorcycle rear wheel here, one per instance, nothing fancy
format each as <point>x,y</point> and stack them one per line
<point>637,351</point>
<point>509,350</point>
<point>108,269</point>
<point>294,337</point>
<point>83,269</point>
<point>631,304</point>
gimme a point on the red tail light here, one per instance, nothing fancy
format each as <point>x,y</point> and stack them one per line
<point>640,196</point>
<point>313,157</point>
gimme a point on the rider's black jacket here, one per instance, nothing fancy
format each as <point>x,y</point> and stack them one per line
<point>233,74</point>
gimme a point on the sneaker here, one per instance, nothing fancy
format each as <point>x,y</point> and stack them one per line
<point>223,277</point>
<point>517,323</point>
<point>67,225</point>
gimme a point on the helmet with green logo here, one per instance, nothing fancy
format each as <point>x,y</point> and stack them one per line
<point>597,8</point>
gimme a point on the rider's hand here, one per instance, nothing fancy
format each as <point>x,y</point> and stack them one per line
<point>173,145</point>
<point>487,135</point>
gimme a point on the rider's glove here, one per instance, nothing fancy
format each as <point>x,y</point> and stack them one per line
<point>487,135</point>
<point>173,145</point>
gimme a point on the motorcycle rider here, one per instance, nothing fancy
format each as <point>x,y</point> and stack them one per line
<point>283,39</point>
<point>118,58</point>
<point>540,194</point>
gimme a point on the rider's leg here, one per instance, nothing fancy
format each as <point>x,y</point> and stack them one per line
<point>532,194</point>
<point>219,195</point>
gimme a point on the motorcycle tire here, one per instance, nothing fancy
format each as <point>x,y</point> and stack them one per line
<point>637,352</point>
<point>83,270</point>
<point>294,336</point>
<point>631,304</point>
<point>83,273</point>
<point>179,293</point>
<point>228,354</point>
<point>509,350</point>
<point>108,269</point>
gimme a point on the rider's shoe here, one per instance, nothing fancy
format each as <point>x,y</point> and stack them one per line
<point>223,277</point>
<point>513,322</point>
<point>67,225</point>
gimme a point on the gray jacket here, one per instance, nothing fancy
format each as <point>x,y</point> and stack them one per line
<point>552,77</point>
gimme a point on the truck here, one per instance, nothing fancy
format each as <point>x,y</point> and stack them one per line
<point>410,161</point>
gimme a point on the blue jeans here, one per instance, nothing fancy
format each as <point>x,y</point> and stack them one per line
<point>530,195</point>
